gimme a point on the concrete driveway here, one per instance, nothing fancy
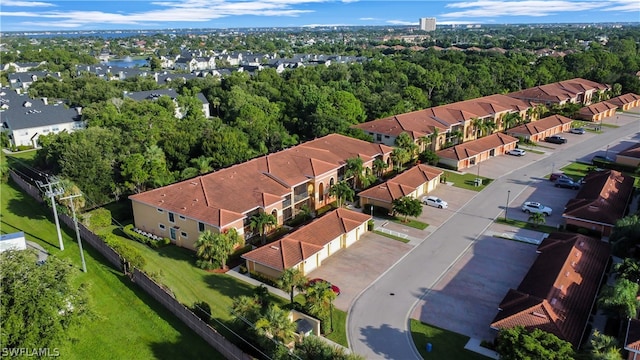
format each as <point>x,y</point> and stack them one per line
<point>465,300</point>
<point>543,191</point>
<point>354,268</point>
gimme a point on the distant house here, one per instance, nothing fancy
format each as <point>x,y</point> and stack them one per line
<point>575,91</point>
<point>629,156</point>
<point>597,112</point>
<point>24,79</point>
<point>415,182</point>
<point>25,119</point>
<point>173,95</point>
<point>632,339</point>
<point>558,292</point>
<point>474,152</point>
<point>601,201</point>
<point>626,101</point>
<point>22,67</point>
<point>306,248</point>
<point>14,241</point>
<point>538,130</point>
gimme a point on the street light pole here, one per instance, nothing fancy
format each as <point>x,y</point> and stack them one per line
<point>75,222</point>
<point>507,207</point>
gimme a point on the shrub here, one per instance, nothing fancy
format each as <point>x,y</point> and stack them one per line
<point>206,265</point>
<point>128,230</point>
<point>127,252</point>
<point>99,218</point>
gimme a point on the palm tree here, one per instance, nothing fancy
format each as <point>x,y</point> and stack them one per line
<point>319,301</point>
<point>628,269</point>
<point>342,191</point>
<point>477,125</point>
<point>203,164</point>
<point>434,138</point>
<point>261,221</point>
<point>292,279</point>
<point>537,219</point>
<point>489,126</point>
<point>354,169</point>
<point>246,308</point>
<point>399,157</point>
<point>206,248</point>
<point>379,166</point>
<point>275,324</point>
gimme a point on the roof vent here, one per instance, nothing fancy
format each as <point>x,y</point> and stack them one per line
<point>163,195</point>
<point>274,247</point>
<point>541,315</point>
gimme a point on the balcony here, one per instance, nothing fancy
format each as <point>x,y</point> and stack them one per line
<point>300,197</point>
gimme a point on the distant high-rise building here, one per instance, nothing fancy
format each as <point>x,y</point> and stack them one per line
<point>428,24</point>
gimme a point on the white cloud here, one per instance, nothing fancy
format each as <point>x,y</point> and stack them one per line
<point>325,25</point>
<point>401,22</point>
<point>534,8</point>
<point>19,3</point>
<point>369,19</point>
<point>623,5</point>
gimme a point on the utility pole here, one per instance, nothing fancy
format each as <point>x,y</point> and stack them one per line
<point>75,222</point>
<point>50,192</point>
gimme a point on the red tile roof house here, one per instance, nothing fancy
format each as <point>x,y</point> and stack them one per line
<point>279,184</point>
<point>632,341</point>
<point>601,202</point>
<point>448,121</point>
<point>597,112</point>
<point>418,180</point>
<point>626,101</point>
<point>538,130</point>
<point>473,152</point>
<point>560,288</point>
<point>629,156</point>
<point>307,247</point>
<point>577,91</point>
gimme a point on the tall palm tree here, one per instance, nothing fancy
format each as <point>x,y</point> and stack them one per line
<point>628,269</point>
<point>342,192</point>
<point>319,301</point>
<point>246,308</point>
<point>261,221</point>
<point>477,126</point>
<point>203,164</point>
<point>399,156</point>
<point>379,166</point>
<point>292,279</point>
<point>354,169</point>
<point>275,324</point>
<point>206,246</point>
<point>537,219</point>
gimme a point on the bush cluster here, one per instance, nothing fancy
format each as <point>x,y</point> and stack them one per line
<point>128,229</point>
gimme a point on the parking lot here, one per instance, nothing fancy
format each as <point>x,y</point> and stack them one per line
<point>466,299</point>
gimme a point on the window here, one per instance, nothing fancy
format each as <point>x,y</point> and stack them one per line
<point>386,136</point>
<point>160,210</point>
<point>378,137</point>
<point>183,234</point>
<point>200,227</point>
<point>161,226</point>
<point>172,217</point>
<point>182,217</point>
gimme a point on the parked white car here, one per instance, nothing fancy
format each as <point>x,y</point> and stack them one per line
<point>516,152</point>
<point>536,207</point>
<point>435,202</point>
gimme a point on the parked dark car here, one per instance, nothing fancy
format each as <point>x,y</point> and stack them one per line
<point>555,139</point>
<point>556,176</point>
<point>567,184</point>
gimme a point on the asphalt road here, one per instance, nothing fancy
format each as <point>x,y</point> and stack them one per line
<point>378,320</point>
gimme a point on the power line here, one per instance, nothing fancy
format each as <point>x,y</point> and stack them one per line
<point>51,193</point>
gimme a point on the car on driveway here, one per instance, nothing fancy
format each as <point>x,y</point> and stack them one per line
<point>535,207</point>
<point>516,152</point>
<point>567,184</point>
<point>435,202</point>
<point>334,288</point>
<point>555,139</point>
<point>556,176</point>
<point>578,131</point>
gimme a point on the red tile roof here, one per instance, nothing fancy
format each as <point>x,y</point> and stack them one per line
<point>559,91</point>
<point>621,100</point>
<point>224,196</point>
<point>423,122</point>
<point>540,126</point>
<point>308,240</point>
<point>597,108</point>
<point>632,151</point>
<point>558,292</point>
<point>402,184</point>
<point>602,199</point>
<point>632,341</point>
<point>475,147</point>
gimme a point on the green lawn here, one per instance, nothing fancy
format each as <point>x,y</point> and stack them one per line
<point>466,181</point>
<point>128,323</point>
<point>446,345</point>
<point>410,223</point>
<point>391,236</point>
<point>527,225</point>
<point>576,170</point>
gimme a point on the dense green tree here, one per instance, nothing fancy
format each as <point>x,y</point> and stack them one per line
<point>517,343</point>
<point>214,249</point>
<point>604,347</point>
<point>620,300</point>
<point>342,192</point>
<point>407,206</point>
<point>291,279</point>
<point>625,235</point>
<point>40,303</point>
<point>275,324</point>
<point>628,269</point>
<point>261,222</point>
<point>319,302</point>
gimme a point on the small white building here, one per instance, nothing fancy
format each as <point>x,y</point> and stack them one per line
<point>15,241</point>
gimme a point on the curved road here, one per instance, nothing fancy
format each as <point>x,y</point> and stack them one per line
<point>378,320</point>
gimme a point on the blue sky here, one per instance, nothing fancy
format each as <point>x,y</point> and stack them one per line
<point>25,15</point>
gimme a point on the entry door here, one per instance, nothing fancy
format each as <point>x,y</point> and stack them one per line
<point>172,234</point>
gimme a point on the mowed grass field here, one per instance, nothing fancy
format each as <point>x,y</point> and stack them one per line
<point>128,324</point>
